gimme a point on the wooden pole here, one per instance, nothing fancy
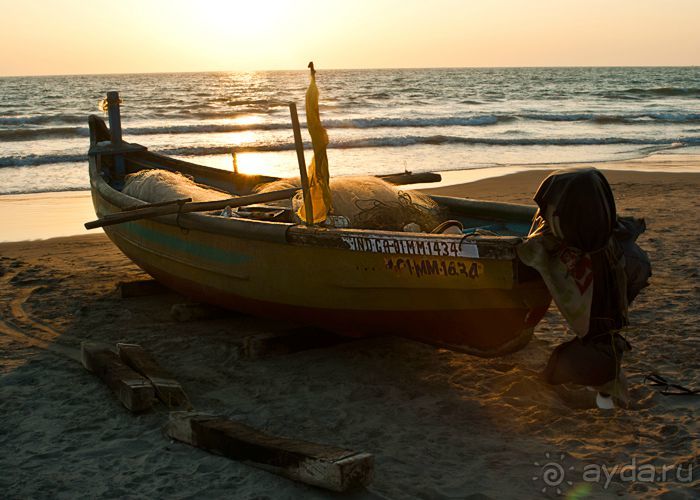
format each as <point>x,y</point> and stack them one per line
<point>183,208</point>
<point>115,130</point>
<point>235,161</point>
<point>299,145</point>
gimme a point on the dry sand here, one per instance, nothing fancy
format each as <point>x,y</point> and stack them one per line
<point>440,424</point>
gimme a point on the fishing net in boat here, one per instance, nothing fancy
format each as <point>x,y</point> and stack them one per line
<point>158,185</point>
<point>371,203</point>
<point>288,183</point>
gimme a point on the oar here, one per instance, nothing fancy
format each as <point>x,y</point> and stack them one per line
<point>159,204</point>
<point>182,207</point>
<point>303,176</point>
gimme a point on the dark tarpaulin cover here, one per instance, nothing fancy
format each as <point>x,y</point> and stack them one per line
<point>579,206</point>
<point>578,209</point>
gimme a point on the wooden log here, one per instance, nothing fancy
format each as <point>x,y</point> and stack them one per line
<point>288,342</point>
<point>411,178</point>
<point>140,288</point>
<point>168,390</point>
<point>195,311</point>
<point>133,390</point>
<point>320,465</point>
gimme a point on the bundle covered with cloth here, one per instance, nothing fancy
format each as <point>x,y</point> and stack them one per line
<point>589,259</point>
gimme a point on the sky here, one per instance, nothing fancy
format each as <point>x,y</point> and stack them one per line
<point>144,36</point>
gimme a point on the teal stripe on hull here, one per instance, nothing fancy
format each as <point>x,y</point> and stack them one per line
<point>182,245</point>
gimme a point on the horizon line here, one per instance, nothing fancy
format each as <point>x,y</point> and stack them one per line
<point>349,69</point>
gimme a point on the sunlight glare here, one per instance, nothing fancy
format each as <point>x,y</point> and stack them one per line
<point>244,120</point>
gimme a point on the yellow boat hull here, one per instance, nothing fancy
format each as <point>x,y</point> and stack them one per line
<point>472,304</point>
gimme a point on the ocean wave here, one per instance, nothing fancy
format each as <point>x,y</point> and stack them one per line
<point>495,141</point>
<point>640,93</point>
<point>234,101</point>
<point>42,119</point>
<point>28,134</point>
<point>32,132</point>
<point>354,123</point>
<point>24,134</point>
<point>447,121</point>
<point>371,142</point>
<point>205,128</point>
<point>433,140</point>
<point>215,114</point>
<point>627,119</point>
<point>674,117</point>
<point>33,160</point>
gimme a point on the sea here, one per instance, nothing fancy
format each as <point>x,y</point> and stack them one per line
<point>379,121</point>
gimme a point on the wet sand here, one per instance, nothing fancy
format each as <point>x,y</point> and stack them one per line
<point>440,424</point>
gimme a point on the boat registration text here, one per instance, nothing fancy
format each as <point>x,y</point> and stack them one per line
<point>434,267</point>
<point>453,247</point>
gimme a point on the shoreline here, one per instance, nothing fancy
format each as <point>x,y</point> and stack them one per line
<point>45,215</point>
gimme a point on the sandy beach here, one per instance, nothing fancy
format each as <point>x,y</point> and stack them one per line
<point>440,424</point>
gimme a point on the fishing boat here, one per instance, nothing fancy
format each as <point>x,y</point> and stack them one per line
<point>465,291</point>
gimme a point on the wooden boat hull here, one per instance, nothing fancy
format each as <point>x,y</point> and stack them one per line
<point>473,304</point>
<point>464,292</point>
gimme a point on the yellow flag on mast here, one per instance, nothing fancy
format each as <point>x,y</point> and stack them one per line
<point>319,177</point>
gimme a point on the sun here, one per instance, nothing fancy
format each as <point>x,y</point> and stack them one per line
<point>238,34</point>
<point>243,20</point>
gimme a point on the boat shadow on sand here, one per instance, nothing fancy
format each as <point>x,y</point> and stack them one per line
<point>439,423</point>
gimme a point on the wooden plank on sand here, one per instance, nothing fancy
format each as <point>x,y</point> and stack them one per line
<point>134,391</point>
<point>328,467</point>
<point>168,390</point>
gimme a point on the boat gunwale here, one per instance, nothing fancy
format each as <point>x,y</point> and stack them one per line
<point>500,247</point>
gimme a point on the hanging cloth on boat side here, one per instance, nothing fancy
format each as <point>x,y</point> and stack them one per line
<point>319,178</point>
<point>573,248</point>
<point>566,271</point>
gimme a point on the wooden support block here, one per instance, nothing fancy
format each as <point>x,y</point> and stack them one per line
<point>140,288</point>
<point>328,467</point>
<point>193,312</point>
<point>168,390</point>
<point>290,341</point>
<point>134,391</point>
